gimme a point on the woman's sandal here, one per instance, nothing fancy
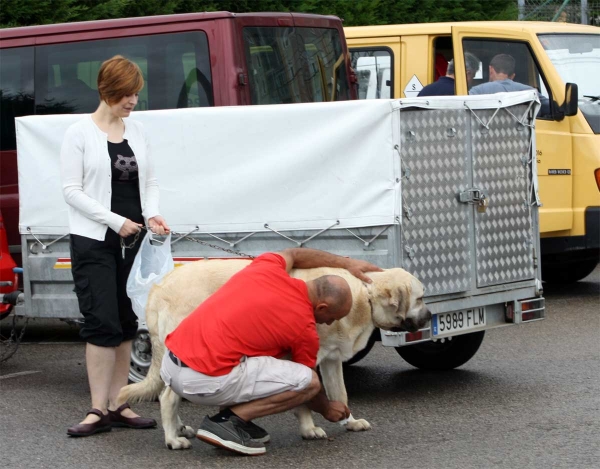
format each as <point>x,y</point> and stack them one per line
<point>117,420</point>
<point>87,429</point>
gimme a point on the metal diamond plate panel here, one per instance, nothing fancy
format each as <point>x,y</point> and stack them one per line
<point>503,233</point>
<point>435,227</point>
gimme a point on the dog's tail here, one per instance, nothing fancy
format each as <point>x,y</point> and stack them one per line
<point>151,386</point>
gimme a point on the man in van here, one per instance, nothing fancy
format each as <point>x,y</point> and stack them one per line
<point>502,73</point>
<point>445,85</point>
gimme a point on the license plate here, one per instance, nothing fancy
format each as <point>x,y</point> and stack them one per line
<point>457,321</point>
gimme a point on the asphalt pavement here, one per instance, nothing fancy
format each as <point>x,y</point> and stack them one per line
<point>528,399</point>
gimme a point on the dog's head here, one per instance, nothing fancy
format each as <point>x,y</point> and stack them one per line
<point>397,301</point>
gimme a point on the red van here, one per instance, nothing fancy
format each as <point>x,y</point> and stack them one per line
<point>189,60</point>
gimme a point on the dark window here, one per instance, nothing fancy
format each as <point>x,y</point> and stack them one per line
<point>373,68</point>
<point>295,65</point>
<point>527,71</point>
<point>442,54</point>
<point>176,69</point>
<point>16,91</point>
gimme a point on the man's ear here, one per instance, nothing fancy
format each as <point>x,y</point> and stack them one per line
<point>320,312</point>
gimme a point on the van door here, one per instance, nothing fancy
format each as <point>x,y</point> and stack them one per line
<point>554,147</point>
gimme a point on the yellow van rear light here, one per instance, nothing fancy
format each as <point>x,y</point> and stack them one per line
<point>597,174</point>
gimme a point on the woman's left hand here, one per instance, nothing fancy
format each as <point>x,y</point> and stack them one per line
<point>158,225</point>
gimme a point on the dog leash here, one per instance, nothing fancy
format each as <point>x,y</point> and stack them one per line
<point>189,238</point>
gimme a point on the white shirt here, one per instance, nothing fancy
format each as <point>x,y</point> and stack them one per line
<point>85,168</point>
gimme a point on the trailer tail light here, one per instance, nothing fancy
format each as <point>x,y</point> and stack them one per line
<point>525,310</point>
<point>399,339</point>
<point>413,336</point>
<point>597,174</point>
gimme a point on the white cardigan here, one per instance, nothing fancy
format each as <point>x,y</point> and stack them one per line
<point>86,177</point>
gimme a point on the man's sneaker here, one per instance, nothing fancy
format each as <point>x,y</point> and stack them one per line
<point>230,435</point>
<point>256,433</point>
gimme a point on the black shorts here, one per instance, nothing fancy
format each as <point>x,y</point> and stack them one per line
<point>100,275</point>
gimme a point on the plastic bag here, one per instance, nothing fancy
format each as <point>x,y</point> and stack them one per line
<point>151,264</point>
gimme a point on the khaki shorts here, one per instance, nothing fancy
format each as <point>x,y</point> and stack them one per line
<point>254,378</point>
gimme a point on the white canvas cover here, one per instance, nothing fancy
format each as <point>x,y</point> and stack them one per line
<point>233,169</point>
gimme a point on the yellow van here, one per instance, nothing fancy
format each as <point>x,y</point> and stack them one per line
<point>562,61</point>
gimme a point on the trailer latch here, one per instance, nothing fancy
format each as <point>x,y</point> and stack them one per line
<point>474,196</point>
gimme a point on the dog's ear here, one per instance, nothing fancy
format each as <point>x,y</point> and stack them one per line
<point>403,291</point>
<point>393,298</point>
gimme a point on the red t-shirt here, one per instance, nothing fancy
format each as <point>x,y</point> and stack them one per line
<point>260,311</point>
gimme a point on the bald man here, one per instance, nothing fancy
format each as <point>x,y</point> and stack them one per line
<point>229,351</point>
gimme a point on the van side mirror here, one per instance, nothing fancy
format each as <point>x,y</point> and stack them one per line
<point>569,107</point>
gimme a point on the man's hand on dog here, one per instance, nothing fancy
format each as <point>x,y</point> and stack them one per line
<point>336,411</point>
<point>358,268</point>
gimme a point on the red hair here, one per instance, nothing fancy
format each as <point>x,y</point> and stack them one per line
<point>119,77</point>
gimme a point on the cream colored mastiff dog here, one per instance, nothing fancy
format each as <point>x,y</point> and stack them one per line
<point>393,301</point>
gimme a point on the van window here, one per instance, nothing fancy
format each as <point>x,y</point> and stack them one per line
<point>577,60</point>
<point>16,91</point>
<point>176,71</point>
<point>373,68</point>
<point>526,70</point>
<point>295,65</point>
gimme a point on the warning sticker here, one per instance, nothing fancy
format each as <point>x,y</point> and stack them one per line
<point>413,87</point>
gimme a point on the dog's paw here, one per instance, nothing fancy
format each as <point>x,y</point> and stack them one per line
<point>178,443</point>
<point>359,425</point>
<point>186,431</point>
<point>313,433</point>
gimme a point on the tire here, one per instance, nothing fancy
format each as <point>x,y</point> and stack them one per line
<point>445,355</point>
<point>141,355</point>
<point>364,352</point>
<point>568,273</point>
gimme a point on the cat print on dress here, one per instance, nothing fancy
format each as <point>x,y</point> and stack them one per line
<point>126,164</point>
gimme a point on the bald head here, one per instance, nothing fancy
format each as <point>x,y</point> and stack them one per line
<point>331,298</point>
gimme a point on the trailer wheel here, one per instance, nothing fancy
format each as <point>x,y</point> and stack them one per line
<point>440,355</point>
<point>364,352</point>
<point>141,355</point>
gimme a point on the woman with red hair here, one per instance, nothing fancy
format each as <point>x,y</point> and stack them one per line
<point>109,184</point>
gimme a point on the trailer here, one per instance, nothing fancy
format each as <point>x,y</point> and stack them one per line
<point>445,188</point>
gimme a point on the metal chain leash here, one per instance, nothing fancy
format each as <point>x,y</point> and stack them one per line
<point>214,246</point>
<point>189,238</point>
<point>130,246</point>
<point>13,339</point>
